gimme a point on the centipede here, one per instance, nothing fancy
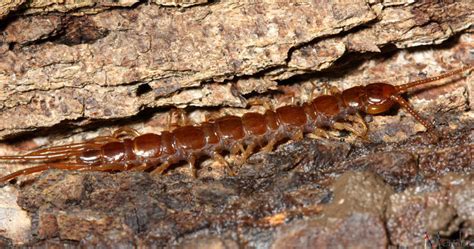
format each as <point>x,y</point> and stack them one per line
<point>128,150</point>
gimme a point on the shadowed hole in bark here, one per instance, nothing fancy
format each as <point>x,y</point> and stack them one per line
<point>143,89</point>
<point>80,30</point>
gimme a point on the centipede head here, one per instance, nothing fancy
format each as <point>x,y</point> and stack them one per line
<point>379,98</point>
<point>371,99</point>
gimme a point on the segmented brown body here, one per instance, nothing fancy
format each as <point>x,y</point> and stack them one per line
<point>128,150</point>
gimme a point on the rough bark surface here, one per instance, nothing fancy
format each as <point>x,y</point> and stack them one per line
<point>72,70</point>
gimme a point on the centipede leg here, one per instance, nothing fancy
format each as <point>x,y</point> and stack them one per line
<point>160,169</point>
<point>319,133</point>
<point>192,165</point>
<point>363,129</point>
<point>347,127</point>
<point>270,145</point>
<point>289,97</point>
<point>57,149</point>
<point>330,90</point>
<point>297,136</point>
<point>61,151</point>
<point>248,151</point>
<point>361,121</point>
<point>108,167</point>
<point>143,167</point>
<point>267,104</point>
<point>125,131</point>
<point>46,155</point>
<point>182,119</point>
<point>216,156</point>
<point>236,149</point>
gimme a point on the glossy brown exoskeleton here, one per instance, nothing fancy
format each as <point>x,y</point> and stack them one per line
<point>126,149</point>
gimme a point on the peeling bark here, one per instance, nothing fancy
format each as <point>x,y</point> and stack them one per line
<point>97,62</point>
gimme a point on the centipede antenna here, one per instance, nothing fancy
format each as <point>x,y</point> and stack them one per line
<point>405,105</point>
<point>405,87</point>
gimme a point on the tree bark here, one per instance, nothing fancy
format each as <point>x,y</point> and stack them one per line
<point>73,70</point>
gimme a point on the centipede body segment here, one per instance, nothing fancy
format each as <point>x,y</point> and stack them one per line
<point>126,149</point>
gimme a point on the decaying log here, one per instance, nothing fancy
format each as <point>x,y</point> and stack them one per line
<point>73,70</point>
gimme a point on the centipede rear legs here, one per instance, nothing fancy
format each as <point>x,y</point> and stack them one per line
<point>107,167</point>
<point>64,151</point>
<point>40,168</point>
